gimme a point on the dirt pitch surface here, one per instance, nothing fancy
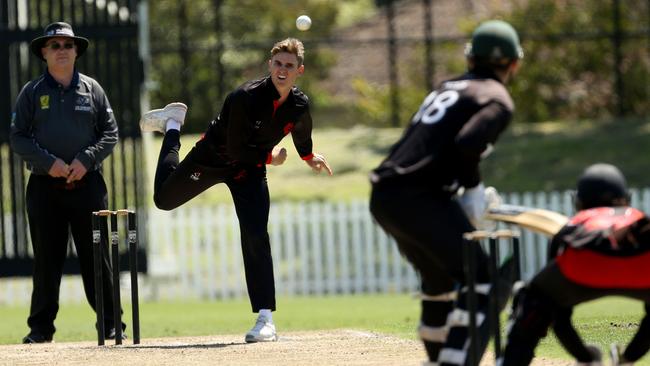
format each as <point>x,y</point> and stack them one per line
<point>338,347</point>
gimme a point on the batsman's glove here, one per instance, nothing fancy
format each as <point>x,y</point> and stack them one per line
<point>472,200</point>
<point>476,201</point>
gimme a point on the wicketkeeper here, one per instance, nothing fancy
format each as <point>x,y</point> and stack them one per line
<point>604,250</point>
<point>414,192</point>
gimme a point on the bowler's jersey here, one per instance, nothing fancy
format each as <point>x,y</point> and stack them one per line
<point>251,123</point>
<point>455,125</point>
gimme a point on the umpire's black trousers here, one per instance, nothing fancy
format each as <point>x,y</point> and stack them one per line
<point>56,209</point>
<point>176,183</point>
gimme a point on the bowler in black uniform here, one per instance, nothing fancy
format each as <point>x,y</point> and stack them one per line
<point>235,150</point>
<point>63,128</point>
<point>414,189</point>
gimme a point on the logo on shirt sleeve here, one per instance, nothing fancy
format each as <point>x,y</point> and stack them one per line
<point>45,102</point>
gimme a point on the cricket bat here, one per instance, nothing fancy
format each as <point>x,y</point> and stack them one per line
<point>541,221</point>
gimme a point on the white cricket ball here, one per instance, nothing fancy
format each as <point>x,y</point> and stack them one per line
<point>303,23</point>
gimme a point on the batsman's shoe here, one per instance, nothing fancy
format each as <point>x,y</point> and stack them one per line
<point>263,331</point>
<point>35,337</point>
<point>110,334</point>
<point>616,354</point>
<point>596,354</point>
<point>156,120</point>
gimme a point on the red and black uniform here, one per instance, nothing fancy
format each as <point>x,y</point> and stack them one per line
<point>235,150</point>
<point>602,251</point>
<point>413,188</point>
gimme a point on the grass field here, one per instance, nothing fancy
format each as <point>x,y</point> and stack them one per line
<point>600,322</point>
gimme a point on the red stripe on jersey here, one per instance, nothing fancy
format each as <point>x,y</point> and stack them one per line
<point>276,104</point>
<point>606,218</point>
<point>288,127</point>
<point>592,269</point>
<point>269,158</point>
<point>308,157</point>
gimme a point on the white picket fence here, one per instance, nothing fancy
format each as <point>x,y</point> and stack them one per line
<point>319,248</point>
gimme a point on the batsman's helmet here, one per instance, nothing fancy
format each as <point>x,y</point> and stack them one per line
<point>495,41</point>
<point>601,185</point>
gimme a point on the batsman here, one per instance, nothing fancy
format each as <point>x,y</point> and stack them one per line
<point>415,191</point>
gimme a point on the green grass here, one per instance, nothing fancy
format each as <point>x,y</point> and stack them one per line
<point>600,322</point>
<point>392,314</point>
<point>550,156</point>
<point>528,157</point>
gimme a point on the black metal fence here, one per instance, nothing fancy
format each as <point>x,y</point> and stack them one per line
<point>113,59</point>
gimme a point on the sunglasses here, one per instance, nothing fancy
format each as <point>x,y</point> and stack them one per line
<point>56,45</point>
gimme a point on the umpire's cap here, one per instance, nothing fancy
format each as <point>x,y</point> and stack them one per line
<point>494,41</point>
<point>58,29</point>
<point>601,185</point>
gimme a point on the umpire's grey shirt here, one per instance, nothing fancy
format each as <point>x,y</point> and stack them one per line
<point>52,122</point>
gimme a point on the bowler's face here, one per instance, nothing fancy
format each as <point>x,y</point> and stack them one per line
<point>59,52</point>
<point>285,70</point>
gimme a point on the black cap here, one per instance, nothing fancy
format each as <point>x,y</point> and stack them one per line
<point>601,185</point>
<point>54,30</point>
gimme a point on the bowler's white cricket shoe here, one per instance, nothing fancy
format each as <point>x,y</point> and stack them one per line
<point>263,331</point>
<point>156,119</point>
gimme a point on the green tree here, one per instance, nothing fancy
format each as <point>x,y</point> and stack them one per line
<point>568,69</point>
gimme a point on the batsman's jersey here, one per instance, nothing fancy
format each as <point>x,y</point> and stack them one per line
<point>454,127</point>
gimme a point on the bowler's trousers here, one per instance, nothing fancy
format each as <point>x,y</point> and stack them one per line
<point>178,182</point>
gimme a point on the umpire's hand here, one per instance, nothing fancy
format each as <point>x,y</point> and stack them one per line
<point>59,169</point>
<point>77,171</point>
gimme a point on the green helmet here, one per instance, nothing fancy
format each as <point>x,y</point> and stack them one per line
<point>495,40</point>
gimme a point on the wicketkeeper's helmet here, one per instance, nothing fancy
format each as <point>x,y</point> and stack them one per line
<point>495,41</point>
<point>601,185</point>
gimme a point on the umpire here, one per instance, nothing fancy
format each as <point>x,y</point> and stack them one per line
<point>62,127</point>
<point>414,188</point>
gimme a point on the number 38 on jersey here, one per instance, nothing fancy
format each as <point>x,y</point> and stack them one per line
<point>435,106</point>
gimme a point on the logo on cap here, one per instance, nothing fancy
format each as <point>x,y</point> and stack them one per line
<point>63,31</point>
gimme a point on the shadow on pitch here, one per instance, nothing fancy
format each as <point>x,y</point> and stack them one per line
<point>178,346</point>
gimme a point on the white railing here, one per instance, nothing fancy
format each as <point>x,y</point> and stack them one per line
<point>319,248</point>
